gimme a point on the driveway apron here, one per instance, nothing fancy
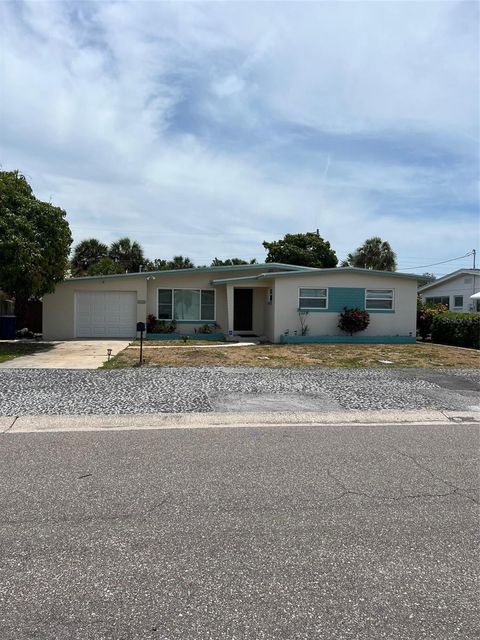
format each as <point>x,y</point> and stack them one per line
<point>71,354</point>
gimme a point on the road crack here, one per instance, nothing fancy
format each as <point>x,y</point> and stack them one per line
<point>372,496</point>
<point>455,490</point>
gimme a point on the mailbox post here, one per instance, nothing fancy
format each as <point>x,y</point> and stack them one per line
<point>141,329</point>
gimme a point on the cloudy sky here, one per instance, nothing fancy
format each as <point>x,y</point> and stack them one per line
<point>205,128</point>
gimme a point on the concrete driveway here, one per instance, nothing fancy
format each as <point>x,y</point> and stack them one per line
<point>71,354</point>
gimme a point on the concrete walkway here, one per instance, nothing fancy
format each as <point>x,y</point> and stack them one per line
<point>71,354</point>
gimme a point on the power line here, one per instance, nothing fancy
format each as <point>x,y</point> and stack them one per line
<point>434,264</point>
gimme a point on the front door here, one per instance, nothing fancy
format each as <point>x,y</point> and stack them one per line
<point>242,309</point>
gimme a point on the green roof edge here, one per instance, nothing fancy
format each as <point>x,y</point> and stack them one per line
<point>235,267</point>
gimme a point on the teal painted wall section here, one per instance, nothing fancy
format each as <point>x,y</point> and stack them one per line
<point>350,297</point>
<point>340,297</point>
<point>348,339</point>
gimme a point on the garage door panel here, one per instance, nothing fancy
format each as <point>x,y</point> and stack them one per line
<point>106,314</point>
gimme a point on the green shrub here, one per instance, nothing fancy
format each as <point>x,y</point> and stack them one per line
<point>151,322</point>
<point>161,326</point>
<point>353,320</point>
<point>458,329</point>
<point>205,328</point>
<point>425,315</point>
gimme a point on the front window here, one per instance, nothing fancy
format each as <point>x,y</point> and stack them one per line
<point>196,305</point>
<point>379,299</point>
<point>312,299</point>
<point>458,302</point>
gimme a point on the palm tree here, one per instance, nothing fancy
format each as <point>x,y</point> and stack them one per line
<point>374,253</point>
<point>85,254</point>
<point>127,253</point>
<point>179,262</point>
<point>216,262</point>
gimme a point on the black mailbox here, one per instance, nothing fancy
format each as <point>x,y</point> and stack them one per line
<point>140,326</point>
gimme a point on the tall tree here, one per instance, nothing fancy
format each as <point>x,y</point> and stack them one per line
<point>303,249</point>
<point>158,264</point>
<point>374,253</point>
<point>128,254</point>
<point>35,242</point>
<point>85,254</point>
<point>180,262</point>
<point>426,278</point>
<point>105,267</point>
<point>216,262</point>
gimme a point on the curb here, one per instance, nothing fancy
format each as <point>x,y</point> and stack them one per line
<point>132,422</point>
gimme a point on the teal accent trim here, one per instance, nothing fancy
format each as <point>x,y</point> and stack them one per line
<point>380,310</point>
<point>289,270</point>
<point>200,322</point>
<point>179,336</point>
<point>366,272</point>
<point>341,297</point>
<point>227,280</point>
<point>348,339</point>
<point>175,272</point>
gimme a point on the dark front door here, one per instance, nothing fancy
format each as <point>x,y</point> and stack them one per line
<point>242,309</point>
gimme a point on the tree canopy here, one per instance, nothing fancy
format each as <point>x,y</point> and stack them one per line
<point>127,253</point>
<point>426,278</point>
<point>180,262</point>
<point>35,241</point>
<point>86,254</point>
<point>374,253</point>
<point>304,249</point>
<point>216,262</point>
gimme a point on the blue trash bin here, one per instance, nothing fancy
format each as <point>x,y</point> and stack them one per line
<point>8,327</point>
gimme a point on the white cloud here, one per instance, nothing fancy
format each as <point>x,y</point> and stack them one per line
<point>93,96</point>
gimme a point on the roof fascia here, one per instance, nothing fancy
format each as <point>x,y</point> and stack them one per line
<point>172,272</point>
<point>450,276</point>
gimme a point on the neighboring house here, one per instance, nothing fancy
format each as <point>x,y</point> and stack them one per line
<point>454,290</point>
<point>260,299</point>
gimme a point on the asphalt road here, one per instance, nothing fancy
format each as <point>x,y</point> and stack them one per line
<point>335,533</point>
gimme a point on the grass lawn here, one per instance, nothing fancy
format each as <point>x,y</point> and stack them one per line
<point>314,355</point>
<point>10,350</point>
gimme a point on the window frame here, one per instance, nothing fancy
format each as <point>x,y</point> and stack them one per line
<point>428,300</point>
<point>325,308</point>
<point>455,305</point>
<point>385,309</point>
<point>172,312</point>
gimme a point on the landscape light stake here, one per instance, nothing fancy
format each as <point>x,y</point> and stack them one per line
<point>109,353</point>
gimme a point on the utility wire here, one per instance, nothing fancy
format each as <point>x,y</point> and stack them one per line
<point>434,264</point>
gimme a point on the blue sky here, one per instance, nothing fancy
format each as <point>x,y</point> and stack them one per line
<point>205,128</point>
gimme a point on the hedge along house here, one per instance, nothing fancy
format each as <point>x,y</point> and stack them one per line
<point>262,300</point>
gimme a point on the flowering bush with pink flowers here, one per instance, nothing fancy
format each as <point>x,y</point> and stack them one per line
<point>353,320</point>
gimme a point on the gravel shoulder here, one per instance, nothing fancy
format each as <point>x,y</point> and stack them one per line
<point>208,389</point>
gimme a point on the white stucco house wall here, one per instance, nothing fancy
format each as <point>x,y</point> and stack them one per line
<point>455,290</point>
<point>262,300</point>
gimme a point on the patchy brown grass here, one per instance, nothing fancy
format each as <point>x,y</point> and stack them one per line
<point>314,355</point>
<point>175,343</point>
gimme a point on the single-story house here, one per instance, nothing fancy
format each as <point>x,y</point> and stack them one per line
<point>454,290</point>
<point>261,299</point>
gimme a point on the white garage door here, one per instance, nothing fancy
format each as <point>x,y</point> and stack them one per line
<point>106,314</point>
